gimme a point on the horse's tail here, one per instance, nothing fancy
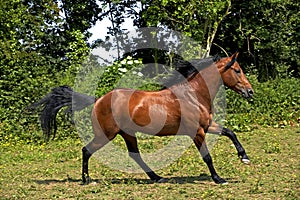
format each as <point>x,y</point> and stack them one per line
<point>59,97</point>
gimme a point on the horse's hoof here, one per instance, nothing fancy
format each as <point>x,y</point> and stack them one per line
<point>245,161</point>
<point>86,180</point>
<point>220,181</point>
<point>162,180</point>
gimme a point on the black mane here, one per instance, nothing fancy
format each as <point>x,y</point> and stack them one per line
<point>185,70</point>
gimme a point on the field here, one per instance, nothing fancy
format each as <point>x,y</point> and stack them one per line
<point>52,171</point>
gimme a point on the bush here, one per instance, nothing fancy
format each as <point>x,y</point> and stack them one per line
<point>275,103</point>
<point>25,78</point>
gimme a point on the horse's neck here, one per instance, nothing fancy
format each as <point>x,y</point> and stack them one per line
<point>208,81</point>
<point>202,88</point>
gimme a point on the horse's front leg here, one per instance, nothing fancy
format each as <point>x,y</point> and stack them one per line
<point>199,141</point>
<point>218,129</point>
<point>240,149</point>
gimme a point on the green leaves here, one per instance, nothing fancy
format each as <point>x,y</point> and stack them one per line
<point>196,19</point>
<point>121,74</point>
<point>267,32</point>
<point>276,103</point>
<point>43,43</point>
<point>38,50</point>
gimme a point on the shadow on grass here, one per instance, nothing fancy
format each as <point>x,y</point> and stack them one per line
<point>50,181</point>
<point>172,180</point>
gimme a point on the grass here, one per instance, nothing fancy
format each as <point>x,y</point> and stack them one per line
<point>52,171</point>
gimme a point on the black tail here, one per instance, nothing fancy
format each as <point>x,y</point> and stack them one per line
<point>62,96</point>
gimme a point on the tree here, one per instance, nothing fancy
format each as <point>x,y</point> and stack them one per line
<point>197,19</point>
<point>267,32</point>
<point>37,51</point>
<point>80,15</point>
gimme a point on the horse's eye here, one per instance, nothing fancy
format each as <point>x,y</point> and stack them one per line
<point>237,71</point>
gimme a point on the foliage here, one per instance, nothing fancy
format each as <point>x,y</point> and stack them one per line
<point>36,54</point>
<point>126,73</point>
<point>267,34</point>
<point>80,15</point>
<point>196,19</point>
<point>275,103</point>
<point>43,44</point>
<point>117,12</point>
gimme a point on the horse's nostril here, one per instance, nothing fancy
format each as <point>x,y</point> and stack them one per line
<point>250,92</point>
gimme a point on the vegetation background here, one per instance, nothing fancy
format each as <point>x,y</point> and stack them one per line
<point>43,44</point>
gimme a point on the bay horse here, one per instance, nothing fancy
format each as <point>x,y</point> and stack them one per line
<point>184,108</point>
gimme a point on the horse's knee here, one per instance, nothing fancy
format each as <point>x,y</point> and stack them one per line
<point>134,155</point>
<point>207,158</point>
<point>85,153</point>
<point>229,133</point>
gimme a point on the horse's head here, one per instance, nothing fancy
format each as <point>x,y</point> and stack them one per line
<point>233,76</point>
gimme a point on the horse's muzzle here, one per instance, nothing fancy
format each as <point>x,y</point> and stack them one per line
<point>248,93</point>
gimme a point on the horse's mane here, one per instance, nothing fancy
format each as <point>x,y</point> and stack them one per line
<point>185,70</point>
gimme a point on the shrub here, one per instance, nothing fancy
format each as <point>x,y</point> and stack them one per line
<point>275,103</point>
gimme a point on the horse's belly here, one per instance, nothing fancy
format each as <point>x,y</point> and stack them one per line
<point>157,123</point>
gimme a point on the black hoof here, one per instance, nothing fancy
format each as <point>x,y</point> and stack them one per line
<point>86,180</point>
<point>220,181</point>
<point>162,180</point>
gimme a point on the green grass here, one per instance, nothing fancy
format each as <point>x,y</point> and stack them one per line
<point>52,171</point>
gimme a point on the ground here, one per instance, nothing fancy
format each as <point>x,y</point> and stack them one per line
<point>52,171</point>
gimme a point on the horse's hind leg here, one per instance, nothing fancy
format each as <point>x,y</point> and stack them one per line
<point>131,143</point>
<point>85,166</point>
<point>100,140</point>
<point>201,146</point>
<point>87,152</point>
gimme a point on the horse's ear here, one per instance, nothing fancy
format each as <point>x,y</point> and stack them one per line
<point>235,55</point>
<point>233,59</point>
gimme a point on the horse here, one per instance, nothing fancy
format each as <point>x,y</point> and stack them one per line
<point>183,108</point>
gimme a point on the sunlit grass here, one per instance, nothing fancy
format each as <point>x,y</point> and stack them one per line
<point>53,171</point>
